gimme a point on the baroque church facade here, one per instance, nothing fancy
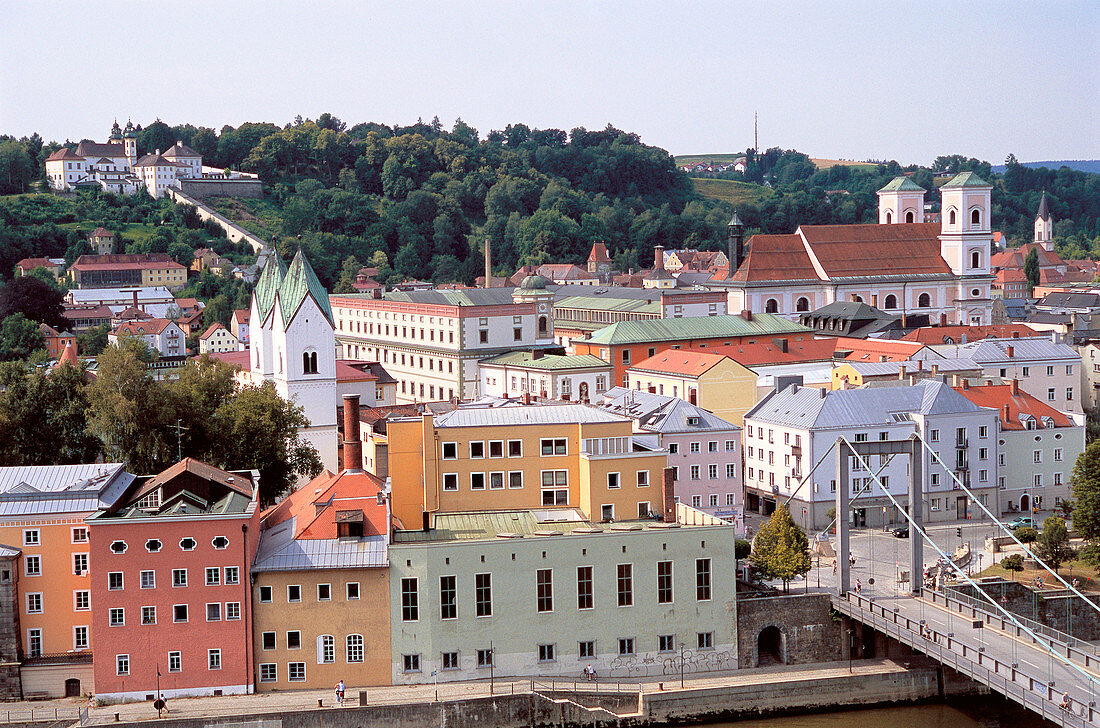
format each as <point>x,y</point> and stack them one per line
<point>902,265</point>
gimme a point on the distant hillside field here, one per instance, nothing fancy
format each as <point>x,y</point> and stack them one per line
<point>1081,165</point>
<point>729,191</point>
<point>696,158</point>
<point>826,163</point>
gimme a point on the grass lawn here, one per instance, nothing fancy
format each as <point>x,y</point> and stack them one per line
<point>1084,573</point>
<point>262,217</point>
<point>730,191</point>
<point>130,231</point>
<point>826,163</point>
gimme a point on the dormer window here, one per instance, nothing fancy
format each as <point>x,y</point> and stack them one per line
<point>349,524</point>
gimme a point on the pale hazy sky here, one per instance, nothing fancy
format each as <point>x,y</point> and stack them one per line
<point>879,79</point>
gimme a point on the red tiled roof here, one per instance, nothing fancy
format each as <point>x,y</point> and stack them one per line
<point>32,263</point>
<point>238,359</point>
<point>81,312</point>
<point>776,258</point>
<point>1016,257</point>
<point>139,328</point>
<point>64,154</point>
<point>241,315</point>
<point>940,334</point>
<point>599,254</point>
<point>316,504</point>
<point>996,396</point>
<point>214,328</point>
<point>876,250</point>
<point>771,353</point>
<point>101,232</point>
<point>681,362</point>
<point>139,261</point>
<point>352,371</point>
<point>877,349</point>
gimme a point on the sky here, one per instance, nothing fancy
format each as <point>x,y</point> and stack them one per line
<point>847,80</point>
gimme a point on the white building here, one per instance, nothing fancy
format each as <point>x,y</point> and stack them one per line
<point>902,265</point>
<point>294,347</point>
<point>581,377</point>
<point>217,339</point>
<point>432,341</point>
<point>790,431</point>
<point>161,335</point>
<point>1037,446</point>
<point>1047,370</point>
<point>1090,375</point>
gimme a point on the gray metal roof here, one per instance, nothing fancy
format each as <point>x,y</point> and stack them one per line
<point>807,407</point>
<point>525,415</point>
<point>43,489</point>
<point>1032,348</point>
<point>448,297</point>
<point>912,366</point>
<point>660,413</point>
<point>278,550</point>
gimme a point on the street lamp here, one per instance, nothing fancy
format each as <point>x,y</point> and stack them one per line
<point>850,648</point>
<point>492,668</point>
<point>681,664</point>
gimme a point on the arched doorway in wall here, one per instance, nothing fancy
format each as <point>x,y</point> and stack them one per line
<point>72,688</point>
<point>1025,503</point>
<point>770,647</point>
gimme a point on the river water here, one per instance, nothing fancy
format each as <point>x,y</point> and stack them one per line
<point>984,712</point>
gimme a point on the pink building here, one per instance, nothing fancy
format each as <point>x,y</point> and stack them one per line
<point>171,587</point>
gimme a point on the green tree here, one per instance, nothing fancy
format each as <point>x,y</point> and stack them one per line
<point>19,338</point>
<point>1026,534</point>
<point>203,385</point>
<point>259,429</point>
<point>93,341</point>
<point>17,169</point>
<point>128,410</point>
<point>42,416</point>
<point>35,299</point>
<point>1086,491</point>
<point>741,549</point>
<point>348,271</point>
<point>1053,543</point>
<point>781,549</point>
<point>1031,269</point>
<point>1013,563</point>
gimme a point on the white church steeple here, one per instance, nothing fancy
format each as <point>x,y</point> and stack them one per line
<point>1044,225</point>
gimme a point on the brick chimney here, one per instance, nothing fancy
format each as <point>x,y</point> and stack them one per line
<point>746,314</point>
<point>353,446</point>
<point>1011,351</point>
<point>1004,413</point>
<point>901,372</point>
<point>1015,334</point>
<point>488,262</point>
<point>658,257</point>
<point>966,384</point>
<point>668,498</point>
<point>135,299</point>
<point>943,319</point>
<point>1015,387</point>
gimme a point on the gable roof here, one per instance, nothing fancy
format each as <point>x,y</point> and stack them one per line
<point>847,251</point>
<point>959,334</point>
<point>680,362</point>
<point>180,150</point>
<point>598,254</point>
<point>268,285</point>
<point>698,327</point>
<point>64,154</point>
<point>143,328</point>
<point>763,353</point>
<point>299,282</point>
<point>879,349</point>
<point>92,149</point>
<point>1037,348</point>
<point>214,328</point>
<point>527,360</point>
<point>61,488</point>
<point>776,258</point>
<point>658,413</point>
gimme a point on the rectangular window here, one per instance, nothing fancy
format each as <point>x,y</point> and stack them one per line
<point>450,481</point>
<point>448,597</point>
<point>294,593</point>
<point>496,481</point>
<point>483,595</point>
<point>702,580</point>
<point>1057,454</point>
<point>34,643</point>
<point>232,575</point>
<point>148,580</point>
<point>179,613</point>
<point>175,663</point>
<point>515,448</point>
<point>179,578</point>
<point>626,646</point>
<point>410,600</point>
<point>267,640</point>
<point>712,471</point>
<point>666,642</point>
<point>351,590</point>
<point>584,587</point>
<point>731,471</point>
<point>484,658</point>
<point>450,451</point>
<point>477,450</point>
<point>80,534</point>
<point>296,671</point>
<point>34,603</point>
<point>553,446</point>
<point>1050,394</point>
<point>269,672</point>
<point>555,490</point>
<point>326,649</point>
<point>411,662</point>
<point>213,576</point>
<point>232,610</point>
<point>706,640</point>
<point>496,448</point>
<point>114,580</point>
<point>214,612</point>
<point>80,638</point>
<point>664,582</point>
<point>643,478</point>
<point>693,447</point>
<point>122,664</point>
<point>712,446</point>
<point>214,659</point>
<point>117,616</point>
<point>546,653</point>
<point>586,649</point>
<point>613,481</point>
<point>544,590</point>
<point>515,479</point>
<point>294,640</point>
<point>31,537</point>
<point>477,481</point>
<point>625,584</point>
<point>148,615</point>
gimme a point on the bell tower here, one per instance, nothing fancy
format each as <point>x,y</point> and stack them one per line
<point>1044,225</point>
<point>901,201</point>
<point>965,235</point>
<point>129,144</point>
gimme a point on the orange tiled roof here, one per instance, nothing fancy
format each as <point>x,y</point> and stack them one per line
<point>771,353</point>
<point>996,396</point>
<point>776,258</point>
<point>877,349</point>
<point>876,250</point>
<point>316,504</point>
<point>680,362</point>
<point>940,334</point>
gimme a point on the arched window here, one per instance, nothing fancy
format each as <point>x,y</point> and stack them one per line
<point>355,648</point>
<point>771,306</point>
<point>975,259</point>
<point>975,217</point>
<point>857,299</point>
<point>803,304</point>
<point>910,216</point>
<point>891,301</point>
<point>542,325</point>
<point>951,217</point>
<point>924,301</point>
<point>889,217</point>
<point>309,362</point>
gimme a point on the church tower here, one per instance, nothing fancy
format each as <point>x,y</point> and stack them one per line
<point>1044,226</point>
<point>901,201</point>
<point>966,238</point>
<point>116,134</point>
<point>129,143</point>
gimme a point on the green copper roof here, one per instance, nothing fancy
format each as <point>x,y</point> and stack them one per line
<point>526,360</point>
<point>697,327</point>
<point>299,282</point>
<point>902,183</point>
<point>270,280</point>
<point>966,179</point>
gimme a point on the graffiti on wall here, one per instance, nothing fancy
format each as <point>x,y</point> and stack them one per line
<point>650,664</point>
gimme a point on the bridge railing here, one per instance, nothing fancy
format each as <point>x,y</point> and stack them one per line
<point>1034,692</point>
<point>1075,649</point>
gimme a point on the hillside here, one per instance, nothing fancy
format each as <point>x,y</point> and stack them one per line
<point>1081,165</point>
<point>730,191</point>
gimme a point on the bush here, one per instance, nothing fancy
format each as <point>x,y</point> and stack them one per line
<point>1026,534</point>
<point>741,549</point>
<point>1015,562</point>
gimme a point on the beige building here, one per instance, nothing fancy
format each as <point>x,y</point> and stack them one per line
<point>217,339</point>
<point>1090,375</point>
<point>712,381</point>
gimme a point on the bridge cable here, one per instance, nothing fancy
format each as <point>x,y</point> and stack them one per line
<point>1090,680</point>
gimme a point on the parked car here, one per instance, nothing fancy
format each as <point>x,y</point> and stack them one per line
<point>901,531</point>
<point>1021,522</point>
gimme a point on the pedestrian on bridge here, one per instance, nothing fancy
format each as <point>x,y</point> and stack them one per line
<point>1067,702</point>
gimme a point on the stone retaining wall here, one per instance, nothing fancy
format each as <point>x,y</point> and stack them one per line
<point>808,632</point>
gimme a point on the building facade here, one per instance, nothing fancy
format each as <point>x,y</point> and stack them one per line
<point>115,271</point>
<point>550,376</point>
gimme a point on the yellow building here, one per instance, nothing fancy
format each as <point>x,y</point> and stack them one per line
<point>712,381</point>
<point>321,610</point>
<point>172,276</point>
<point>519,457</point>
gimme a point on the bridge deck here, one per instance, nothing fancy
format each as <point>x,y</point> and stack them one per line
<point>1023,672</point>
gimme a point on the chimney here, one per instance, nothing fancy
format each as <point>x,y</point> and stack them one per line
<point>1004,413</point>
<point>658,257</point>
<point>935,369</point>
<point>966,384</point>
<point>782,344</point>
<point>1011,351</point>
<point>668,498</point>
<point>135,299</point>
<point>943,319</point>
<point>920,365</point>
<point>746,314</point>
<point>962,339</point>
<point>537,354</point>
<point>1015,334</point>
<point>824,392</point>
<point>488,262</point>
<point>353,446</point>
<point>1015,387</point>
<point>901,372</point>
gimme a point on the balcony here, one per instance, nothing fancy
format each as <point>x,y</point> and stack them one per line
<point>962,444</point>
<point>796,449</point>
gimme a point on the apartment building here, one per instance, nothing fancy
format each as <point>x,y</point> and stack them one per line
<point>790,431</point>
<point>321,581</point>
<point>547,592</point>
<point>217,339</point>
<point>628,342</point>
<point>1046,369</point>
<point>162,336</point>
<point>578,311</point>
<point>42,512</point>
<point>551,376</point>
<point>1090,375</point>
<point>431,341</point>
<point>704,450</point>
<point>522,456</point>
<point>1037,446</point>
<point>170,590</point>
<point>113,271</point>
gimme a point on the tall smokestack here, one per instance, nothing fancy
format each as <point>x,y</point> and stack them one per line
<point>488,263</point>
<point>353,446</point>
<point>658,257</point>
